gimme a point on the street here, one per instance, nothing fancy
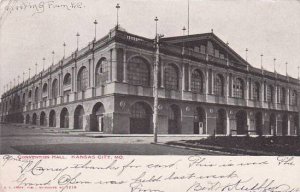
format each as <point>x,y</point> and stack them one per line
<point>23,139</point>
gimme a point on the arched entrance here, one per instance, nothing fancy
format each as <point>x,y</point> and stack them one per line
<point>43,119</point>
<point>27,120</point>
<point>258,123</point>
<point>78,117</point>
<point>174,119</point>
<point>34,117</point>
<point>52,119</point>
<point>221,122</point>
<point>285,124</point>
<point>140,118</point>
<point>272,128</point>
<point>199,121</point>
<point>241,122</point>
<point>64,118</point>
<point>97,121</point>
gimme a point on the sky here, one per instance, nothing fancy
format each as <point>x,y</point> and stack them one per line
<point>29,34</point>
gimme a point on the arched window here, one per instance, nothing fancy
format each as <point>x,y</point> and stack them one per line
<point>138,72</point>
<point>67,79</point>
<point>36,95</point>
<point>54,89</point>
<point>29,94</point>
<point>256,91</point>
<point>101,73</point>
<point>197,81</point>
<point>282,95</point>
<point>219,85</point>
<point>270,93</point>
<point>138,111</point>
<point>45,88</point>
<point>23,99</point>
<point>171,77</point>
<point>82,79</point>
<point>293,98</point>
<point>238,88</point>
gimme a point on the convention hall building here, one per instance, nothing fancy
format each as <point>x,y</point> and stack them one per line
<point>204,88</point>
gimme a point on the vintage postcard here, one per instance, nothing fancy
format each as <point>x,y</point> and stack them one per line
<point>149,95</point>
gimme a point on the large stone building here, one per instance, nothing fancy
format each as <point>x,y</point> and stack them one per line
<point>205,87</point>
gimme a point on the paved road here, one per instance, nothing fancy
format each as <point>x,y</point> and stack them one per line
<point>20,139</point>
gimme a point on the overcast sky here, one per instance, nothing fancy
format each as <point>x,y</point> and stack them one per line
<point>262,26</point>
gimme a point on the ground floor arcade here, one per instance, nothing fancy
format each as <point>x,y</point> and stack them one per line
<point>133,115</point>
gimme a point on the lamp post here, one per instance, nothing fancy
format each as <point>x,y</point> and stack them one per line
<point>286,64</point>
<point>261,61</point>
<point>274,62</point>
<point>183,30</point>
<point>53,57</point>
<point>77,36</point>
<point>44,63</point>
<point>95,22</point>
<point>246,54</point>
<point>35,68</point>
<point>118,7</point>
<point>155,87</point>
<point>64,49</point>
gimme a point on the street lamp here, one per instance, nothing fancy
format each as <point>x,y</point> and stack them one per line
<point>246,54</point>
<point>95,22</point>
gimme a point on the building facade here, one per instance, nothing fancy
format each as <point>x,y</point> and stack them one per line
<point>205,88</point>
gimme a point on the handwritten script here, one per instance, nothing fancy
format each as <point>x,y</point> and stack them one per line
<point>149,174</point>
<point>42,6</point>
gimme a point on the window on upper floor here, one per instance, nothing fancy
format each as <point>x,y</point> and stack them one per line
<point>101,72</point>
<point>171,77</point>
<point>67,79</point>
<point>256,91</point>
<point>282,95</point>
<point>238,88</point>
<point>82,79</point>
<point>45,88</point>
<point>293,98</point>
<point>29,94</point>
<point>219,85</point>
<point>55,89</point>
<point>138,71</point>
<point>197,81</point>
<point>270,93</point>
<point>36,94</point>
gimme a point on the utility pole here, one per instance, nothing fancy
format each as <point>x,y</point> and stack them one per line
<point>155,86</point>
